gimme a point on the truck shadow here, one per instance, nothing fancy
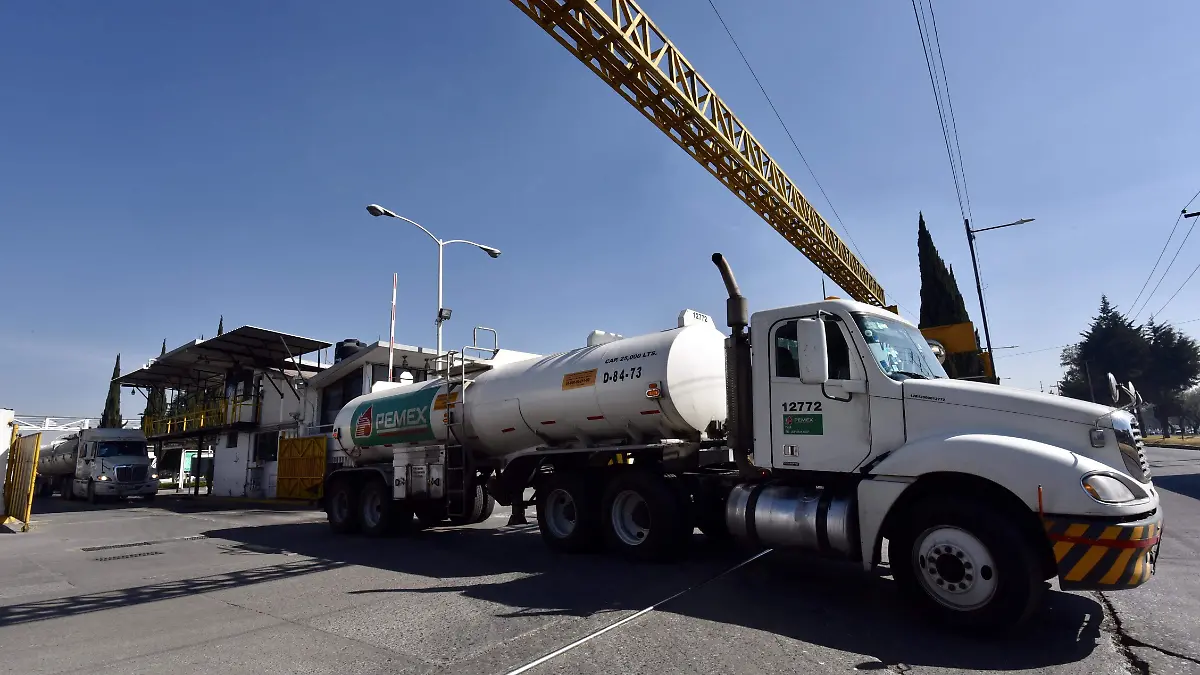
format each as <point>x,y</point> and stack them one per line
<point>827,603</point>
<point>1187,485</point>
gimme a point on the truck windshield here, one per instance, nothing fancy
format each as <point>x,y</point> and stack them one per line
<point>120,448</point>
<point>899,349</point>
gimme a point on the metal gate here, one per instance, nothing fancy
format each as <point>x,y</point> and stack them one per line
<point>19,477</point>
<point>301,472</point>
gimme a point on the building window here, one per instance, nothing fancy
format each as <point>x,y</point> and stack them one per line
<point>231,439</point>
<point>266,446</point>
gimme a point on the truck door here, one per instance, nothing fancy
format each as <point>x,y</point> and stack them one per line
<point>821,427</point>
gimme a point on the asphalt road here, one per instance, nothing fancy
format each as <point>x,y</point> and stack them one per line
<point>185,587</point>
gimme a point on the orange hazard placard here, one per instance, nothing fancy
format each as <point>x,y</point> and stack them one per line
<point>584,378</point>
<point>440,402</point>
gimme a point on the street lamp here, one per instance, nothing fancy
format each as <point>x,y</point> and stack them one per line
<point>987,334</point>
<point>443,313</point>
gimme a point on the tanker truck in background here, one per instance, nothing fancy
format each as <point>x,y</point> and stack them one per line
<point>96,464</point>
<point>829,427</point>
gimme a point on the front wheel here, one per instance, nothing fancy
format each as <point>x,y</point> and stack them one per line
<point>966,565</point>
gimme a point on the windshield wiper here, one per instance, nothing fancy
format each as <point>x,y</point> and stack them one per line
<point>915,376</point>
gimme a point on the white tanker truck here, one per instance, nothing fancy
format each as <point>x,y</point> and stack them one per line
<point>829,426</point>
<point>97,464</point>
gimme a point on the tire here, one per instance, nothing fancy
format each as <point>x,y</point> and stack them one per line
<point>341,507</point>
<point>645,517</point>
<point>568,513</point>
<point>380,515</point>
<point>474,509</point>
<point>488,507</point>
<point>66,488</point>
<point>979,550</point>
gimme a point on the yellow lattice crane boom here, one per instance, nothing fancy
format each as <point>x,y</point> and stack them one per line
<point>619,42</point>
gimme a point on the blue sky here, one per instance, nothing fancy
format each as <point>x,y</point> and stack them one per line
<point>166,163</point>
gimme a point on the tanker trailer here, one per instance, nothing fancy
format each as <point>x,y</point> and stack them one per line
<point>97,463</point>
<point>452,446</point>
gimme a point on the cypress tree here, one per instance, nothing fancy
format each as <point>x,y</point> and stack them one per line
<point>941,302</point>
<point>111,419</point>
<point>221,326</point>
<point>156,402</point>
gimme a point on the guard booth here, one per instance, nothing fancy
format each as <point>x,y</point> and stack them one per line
<point>237,394</point>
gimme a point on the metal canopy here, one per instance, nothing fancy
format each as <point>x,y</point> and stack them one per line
<point>203,360</point>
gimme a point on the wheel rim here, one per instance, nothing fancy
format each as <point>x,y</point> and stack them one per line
<point>955,568</point>
<point>561,514</point>
<point>341,506</point>
<point>372,509</point>
<point>630,518</point>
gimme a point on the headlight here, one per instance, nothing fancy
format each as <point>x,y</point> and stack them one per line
<point>1107,489</point>
<point>101,477</point>
<point>154,476</point>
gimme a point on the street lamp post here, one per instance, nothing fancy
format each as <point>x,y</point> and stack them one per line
<point>987,334</point>
<point>442,313</point>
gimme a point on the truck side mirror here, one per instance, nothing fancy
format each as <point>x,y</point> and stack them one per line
<point>812,353</point>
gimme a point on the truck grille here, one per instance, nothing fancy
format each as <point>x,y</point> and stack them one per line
<point>131,474</point>
<point>1135,455</point>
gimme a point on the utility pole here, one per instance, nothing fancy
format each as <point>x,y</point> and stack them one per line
<point>987,333</point>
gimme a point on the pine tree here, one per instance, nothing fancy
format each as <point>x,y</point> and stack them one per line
<point>1112,344</point>
<point>111,419</point>
<point>221,326</point>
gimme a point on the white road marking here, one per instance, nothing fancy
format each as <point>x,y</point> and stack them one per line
<point>622,622</point>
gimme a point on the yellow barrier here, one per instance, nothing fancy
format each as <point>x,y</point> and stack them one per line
<point>19,477</point>
<point>301,468</point>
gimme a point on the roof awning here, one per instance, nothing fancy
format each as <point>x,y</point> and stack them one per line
<point>201,361</point>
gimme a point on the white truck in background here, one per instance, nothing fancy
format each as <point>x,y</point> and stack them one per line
<point>829,427</point>
<point>97,464</point>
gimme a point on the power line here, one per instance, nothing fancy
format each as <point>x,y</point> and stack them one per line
<point>1150,276</point>
<point>785,127</point>
<point>937,98</point>
<point>950,107</point>
<point>791,138</point>
<point>1046,349</point>
<point>1191,227</point>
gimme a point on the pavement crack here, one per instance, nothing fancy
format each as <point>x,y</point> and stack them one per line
<point>1127,642</point>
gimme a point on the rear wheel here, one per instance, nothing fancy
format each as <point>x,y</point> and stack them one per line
<point>645,517</point>
<point>489,506</point>
<point>568,513</point>
<point>966,565</point>
<point>342,507</point>
<point>380,515</point>
<point>475,506</point>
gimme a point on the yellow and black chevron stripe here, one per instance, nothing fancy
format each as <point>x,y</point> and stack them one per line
<point>1100,556</point>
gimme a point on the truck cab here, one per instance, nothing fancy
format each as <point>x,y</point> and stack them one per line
<point>847,394</point>
<point>113,463</point>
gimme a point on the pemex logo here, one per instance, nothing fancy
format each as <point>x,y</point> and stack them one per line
<point>362,426</point>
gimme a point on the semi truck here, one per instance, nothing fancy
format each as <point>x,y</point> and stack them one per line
<point>829,427</point>
<point>97,464</point>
